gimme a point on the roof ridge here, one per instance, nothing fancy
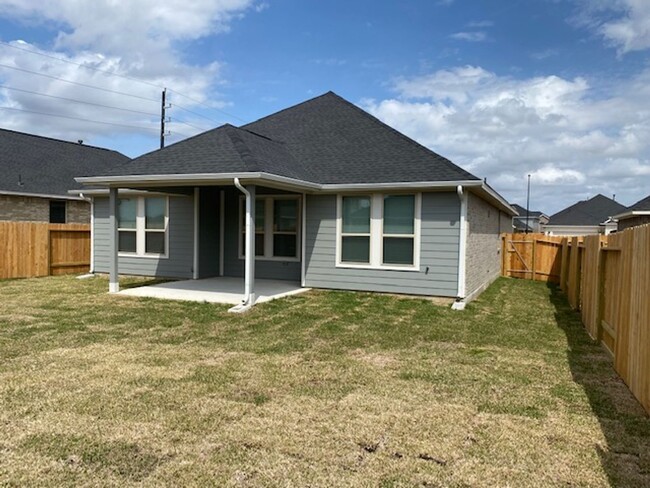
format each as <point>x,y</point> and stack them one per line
<point>411,141</point>
<point>304,102</point>
<point>28,134</point>
<point>245,153</point>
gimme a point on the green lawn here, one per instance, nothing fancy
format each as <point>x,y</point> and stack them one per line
<point>321,389</point>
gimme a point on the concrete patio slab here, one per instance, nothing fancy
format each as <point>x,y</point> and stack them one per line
<point>216,290</point>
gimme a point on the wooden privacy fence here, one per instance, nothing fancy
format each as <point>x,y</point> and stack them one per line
<point>532,256</point>
<point>606,278</point>
<point>29,249</point>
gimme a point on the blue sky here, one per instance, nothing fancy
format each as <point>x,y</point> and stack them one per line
<point>554,88</point>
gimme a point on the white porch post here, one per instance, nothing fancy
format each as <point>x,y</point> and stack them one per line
<point>114,284</point>
<point>249,272</point>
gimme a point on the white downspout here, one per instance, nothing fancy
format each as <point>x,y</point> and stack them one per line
<point>249,297</point>
<point>462,250</point>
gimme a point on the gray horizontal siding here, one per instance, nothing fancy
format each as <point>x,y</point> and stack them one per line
<point>181,235</point>
<point>233,266</point>
<point>438,274</point>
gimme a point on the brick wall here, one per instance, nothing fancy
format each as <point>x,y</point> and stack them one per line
<point>633,222</point>
<point>36,209</point>
<point>485,224</point>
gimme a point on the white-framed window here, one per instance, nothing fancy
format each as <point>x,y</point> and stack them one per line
<point>142,226</point>
<point>277,227</point>
<point>379,230</point>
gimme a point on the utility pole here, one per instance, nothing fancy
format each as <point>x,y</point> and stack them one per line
<point>528,205</point>
<point>162,119</point>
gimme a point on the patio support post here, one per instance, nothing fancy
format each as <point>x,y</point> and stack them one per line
<point>114,284</point>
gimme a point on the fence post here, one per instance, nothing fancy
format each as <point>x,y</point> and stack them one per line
<point>533,265</point>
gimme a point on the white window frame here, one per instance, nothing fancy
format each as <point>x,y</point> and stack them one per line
<point>377,232</point>
<point>268,227</point>
<point>141,231</point>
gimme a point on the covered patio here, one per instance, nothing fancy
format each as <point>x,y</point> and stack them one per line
<point>224,289</point>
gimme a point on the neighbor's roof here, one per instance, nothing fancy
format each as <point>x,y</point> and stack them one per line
<point>594,211</point>
<point>641,205</point>
<point>31,164</point>
<point>522,211</point>
<point>325,140</point>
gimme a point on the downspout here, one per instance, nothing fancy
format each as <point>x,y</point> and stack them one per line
<point>249,298</point>
<point>459,304</point>
<point>91,270</point>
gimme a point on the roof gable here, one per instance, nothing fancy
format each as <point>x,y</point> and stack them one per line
<point>34,164</point>
<point>594,211</point>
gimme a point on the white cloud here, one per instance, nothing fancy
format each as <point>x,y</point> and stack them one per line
<point>571,136</point>
<point>478,24</point>
<point>474,36</point>
<point>628,31</point>
<point>138,39</point>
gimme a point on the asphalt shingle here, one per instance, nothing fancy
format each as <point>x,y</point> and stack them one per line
<point>323,140</point>
<point>594,211</point>
<point>41,165</point>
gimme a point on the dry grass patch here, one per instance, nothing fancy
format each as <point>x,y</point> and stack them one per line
<point>322,389</point>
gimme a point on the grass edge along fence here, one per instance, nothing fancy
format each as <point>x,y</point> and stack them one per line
<point>31,249</point>
<point>605,278</point>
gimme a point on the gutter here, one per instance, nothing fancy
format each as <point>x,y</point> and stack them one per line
<point>460,303</point>
<point>249,296</point>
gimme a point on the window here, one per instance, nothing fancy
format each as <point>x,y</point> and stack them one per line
<point>57,211</point>
<point>379,231</point>
<point>142,226</point>
<point>276,228</point>
<point>355,231</point>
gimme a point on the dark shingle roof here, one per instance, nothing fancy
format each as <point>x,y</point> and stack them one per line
<point>323,140</point>
<point>41,165</point>
<point>522,211</point>
<point>641,205</point>
<point>594,211</point>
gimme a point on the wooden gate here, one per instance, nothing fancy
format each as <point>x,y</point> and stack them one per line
<point>532,256</point>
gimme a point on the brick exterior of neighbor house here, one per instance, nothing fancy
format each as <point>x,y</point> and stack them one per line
<point>17,208</point>
<point>485,223</point>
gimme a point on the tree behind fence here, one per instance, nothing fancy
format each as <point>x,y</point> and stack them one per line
<point>606,278</point>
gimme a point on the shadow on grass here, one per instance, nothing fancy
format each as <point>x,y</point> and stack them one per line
<point>623,421</point>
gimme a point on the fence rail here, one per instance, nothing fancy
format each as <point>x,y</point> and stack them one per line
<point>607,279</point>
<point>29,249</point>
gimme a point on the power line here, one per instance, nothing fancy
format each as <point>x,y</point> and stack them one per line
<point>83,65</point>
<point>74,100</point>
<point>77,83</point>
<point>111,73</point>
<point>207,106</point>
<point>78,101</point>
<point>175,105</point>
<point>79,118</point>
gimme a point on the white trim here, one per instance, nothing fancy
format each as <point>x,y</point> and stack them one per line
<point>376,235</point>
<point>291,183</point>
<point>462,246</point>
<point>195,249</point>
<point>632,213</point>
<point>269,202</point>
<point>43,195</point>
<point>141,231</point>
<point>303,241</point>
<point>222,230</point>
<point>92,236</point>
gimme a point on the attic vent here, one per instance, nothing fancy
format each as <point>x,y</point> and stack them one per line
<point>80,141</point>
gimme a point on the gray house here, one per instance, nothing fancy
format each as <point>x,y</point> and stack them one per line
<point>321,194</point>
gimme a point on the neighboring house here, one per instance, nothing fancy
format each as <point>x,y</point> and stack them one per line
<point>531,221</point>
<point>37,172</point>
<point>335,199</point>
<point>593,216</point>
<point>637,214</point>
